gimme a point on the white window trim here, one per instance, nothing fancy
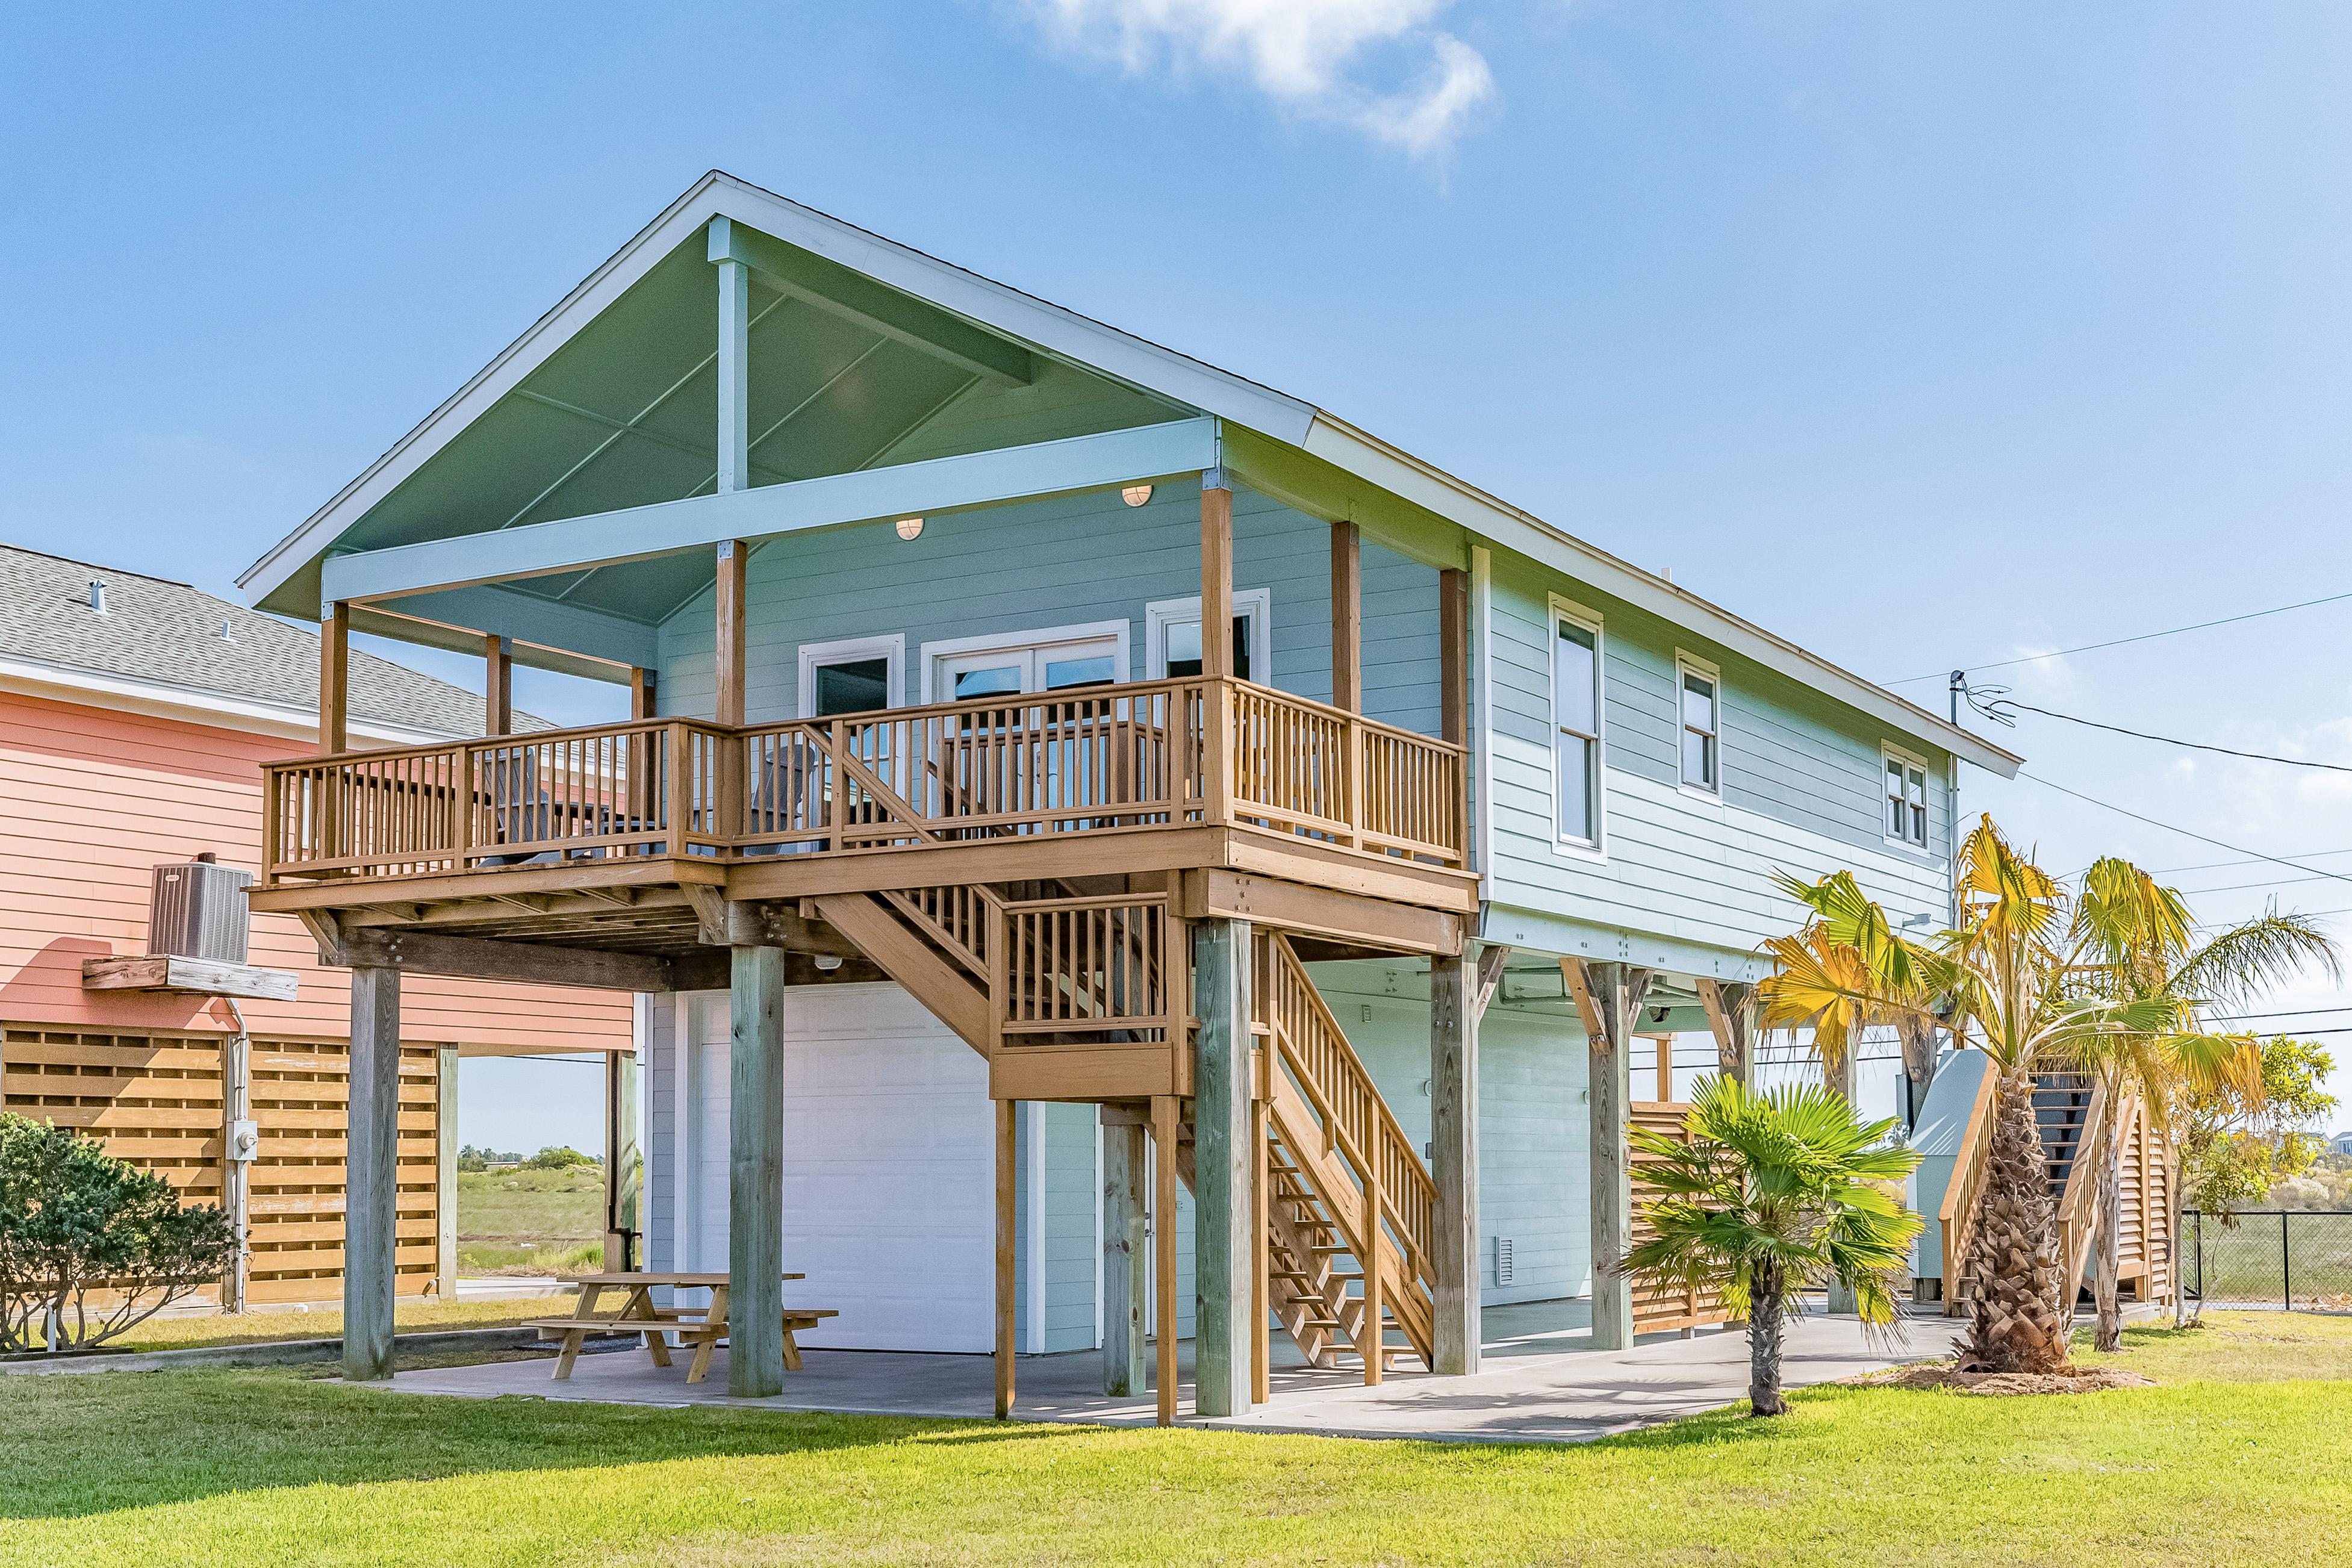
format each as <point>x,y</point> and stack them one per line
<point>1710,670</point>
<point>1597,847</point>
<point>1889,750</point>
<point>1041,636</point>
<point>852,650</point>
<point>1159,614</point>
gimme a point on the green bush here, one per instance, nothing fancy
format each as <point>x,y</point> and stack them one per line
<point>76,1224</point>
<point>558,1157</point>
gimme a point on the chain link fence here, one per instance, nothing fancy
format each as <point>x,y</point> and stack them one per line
<point>2295,1259</point>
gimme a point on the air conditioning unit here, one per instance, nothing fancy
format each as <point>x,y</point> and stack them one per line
<point>199,910</point>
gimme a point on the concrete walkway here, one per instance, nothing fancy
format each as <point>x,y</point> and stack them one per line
<point>1539,1384</point>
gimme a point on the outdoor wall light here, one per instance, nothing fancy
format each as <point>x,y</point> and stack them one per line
<point>826,961</point>
<point>1135,495</point>
<point>909,527</point>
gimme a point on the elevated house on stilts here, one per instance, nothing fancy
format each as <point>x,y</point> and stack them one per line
<point>1108,852</point>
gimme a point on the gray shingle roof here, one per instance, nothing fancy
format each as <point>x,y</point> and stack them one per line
<point>155,629</point>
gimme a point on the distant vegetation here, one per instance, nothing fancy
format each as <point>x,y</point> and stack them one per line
<point>532,1219</point>
<point>553,1157</point>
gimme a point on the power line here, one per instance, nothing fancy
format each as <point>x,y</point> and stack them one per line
<point>1990,710</point>
<point>2221,865</point>
<point>2292,1012</point>
<point>2245,887</point>
<point>2119,642</point>
<point>2303,914</point>
<point>2185,833</point>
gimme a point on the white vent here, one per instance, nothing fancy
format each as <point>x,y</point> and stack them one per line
<point>97,596</point>
<point>1502,1265</point>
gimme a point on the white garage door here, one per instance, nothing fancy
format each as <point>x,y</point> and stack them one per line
<point>889,1169</point>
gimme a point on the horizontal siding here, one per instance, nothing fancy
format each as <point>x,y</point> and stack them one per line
<point>96,798</point>
<point>1802,783</point>
<point>1068,560</point>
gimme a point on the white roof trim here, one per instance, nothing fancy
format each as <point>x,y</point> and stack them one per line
<point>1148,365</point>
<point>188,704</point>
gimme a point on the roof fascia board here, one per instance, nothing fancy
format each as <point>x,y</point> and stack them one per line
<point>835,289</point>
<point>930,488</point>
<point>1340,444</point>
<point>186,704</point>
<point>567,639</point>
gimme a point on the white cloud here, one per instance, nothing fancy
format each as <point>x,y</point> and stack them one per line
<point>1309,56</point>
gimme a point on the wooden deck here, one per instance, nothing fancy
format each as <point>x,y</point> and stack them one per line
<point>633,835</point>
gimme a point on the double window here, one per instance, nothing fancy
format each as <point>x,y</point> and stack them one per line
<point>1702,726</point>
<point>1906,800</point>
<point>1575,727</point>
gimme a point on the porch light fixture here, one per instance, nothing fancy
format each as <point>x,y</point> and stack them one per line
<point>1135,495</point>
<point>828,961</point>
<point>909,527</point>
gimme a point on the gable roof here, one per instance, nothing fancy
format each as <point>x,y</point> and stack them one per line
<point>175,639</point>
<point>286,578</point>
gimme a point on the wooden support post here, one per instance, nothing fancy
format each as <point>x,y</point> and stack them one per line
<point>1732,1017</point>
<point>1453,1134</point>
<point>1261,1224</point>
<point>445,1186</point>
<point>755,1173</point>
<point>1347,617</point>
<point>334,678</point>
<point>1125,1286</point>
<point>1163,1253</point>
<point>644,695</point>
<point>1665,1066</point>
<point>1223,1162</point>
<point>1007,1218</point>
<point>1454,655</point>
<point>497,701</point>
<point>732,554</point>
<point>371,1190</point>
<point>1375,1334</point>
<point>622,1163</point>
<point>1615,992</point>
<point>1216,575</point>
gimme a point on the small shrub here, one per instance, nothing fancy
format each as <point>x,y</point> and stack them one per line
<point>76,1223</point>
<point>558,1157</point>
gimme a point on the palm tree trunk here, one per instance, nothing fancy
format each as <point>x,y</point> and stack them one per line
<point>2018,1326</point>
<point>2108,1289</point>
<point>1765,1319</point>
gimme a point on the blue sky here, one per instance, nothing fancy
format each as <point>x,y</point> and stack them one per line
<point>1924,334</point>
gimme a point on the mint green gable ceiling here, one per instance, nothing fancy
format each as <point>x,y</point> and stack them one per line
<point>624,414</point>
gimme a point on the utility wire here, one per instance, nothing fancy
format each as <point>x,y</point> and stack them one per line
<point>2119,642</point>
<point>2221,865</point>
<point>2292,1012</point>
<point>1997,700</point>
<point>2185,833</point>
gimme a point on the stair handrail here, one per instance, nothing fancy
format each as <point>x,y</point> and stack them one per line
<point>1389,1135</point>
<point>1957,1218</point>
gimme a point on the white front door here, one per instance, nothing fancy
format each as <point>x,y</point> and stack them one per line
<point>889,1169</point>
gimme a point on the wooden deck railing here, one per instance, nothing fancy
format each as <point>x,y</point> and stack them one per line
<point>1101,758</point>
<point>1958,1217</point>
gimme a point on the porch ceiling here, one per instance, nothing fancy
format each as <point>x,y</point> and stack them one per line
<point>624,414</point>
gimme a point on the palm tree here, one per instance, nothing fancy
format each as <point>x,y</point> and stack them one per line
<point>2148,962</point>
<point>1768,1195</point>
<point>2006,977</point>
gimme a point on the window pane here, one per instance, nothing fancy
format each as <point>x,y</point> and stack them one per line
<point>1183,650</point>
<point>1573,679</point>
<point>1573,767</point>
<point>1918,792</point>
<point>1699,758</point>
<point>1698,702</point>
<point>1096,671</point>
<point>857,687</point>
<point>1919,826</point>
<point>1241,648</point>
<point>1002,681</point>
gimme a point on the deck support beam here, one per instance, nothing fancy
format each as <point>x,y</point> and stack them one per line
<point>1610,995</point>
<point>1454,1139</point>
<point>1125,1287</point>
<point>755,1173</point>
<point>334,677</point>
<point>1224,1208</point>
<point>1732,1017</point>
<point>371,1191</point>
<point>1163,1254</point>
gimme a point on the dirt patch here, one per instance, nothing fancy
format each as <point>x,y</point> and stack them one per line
<point>2066,1380</point>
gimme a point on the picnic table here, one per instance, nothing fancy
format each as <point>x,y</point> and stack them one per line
<point>703,1327</point>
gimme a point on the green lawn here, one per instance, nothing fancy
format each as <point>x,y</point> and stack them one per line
<point>530,1222</point>
<point>2236,1459</point>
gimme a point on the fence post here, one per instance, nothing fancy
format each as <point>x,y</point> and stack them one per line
<point>2286,1262</point>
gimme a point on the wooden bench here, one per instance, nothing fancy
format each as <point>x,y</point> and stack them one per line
<point>701,1327</point>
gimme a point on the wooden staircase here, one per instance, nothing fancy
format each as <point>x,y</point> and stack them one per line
<point>2071,1110</point>
<point>1078,994</point>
